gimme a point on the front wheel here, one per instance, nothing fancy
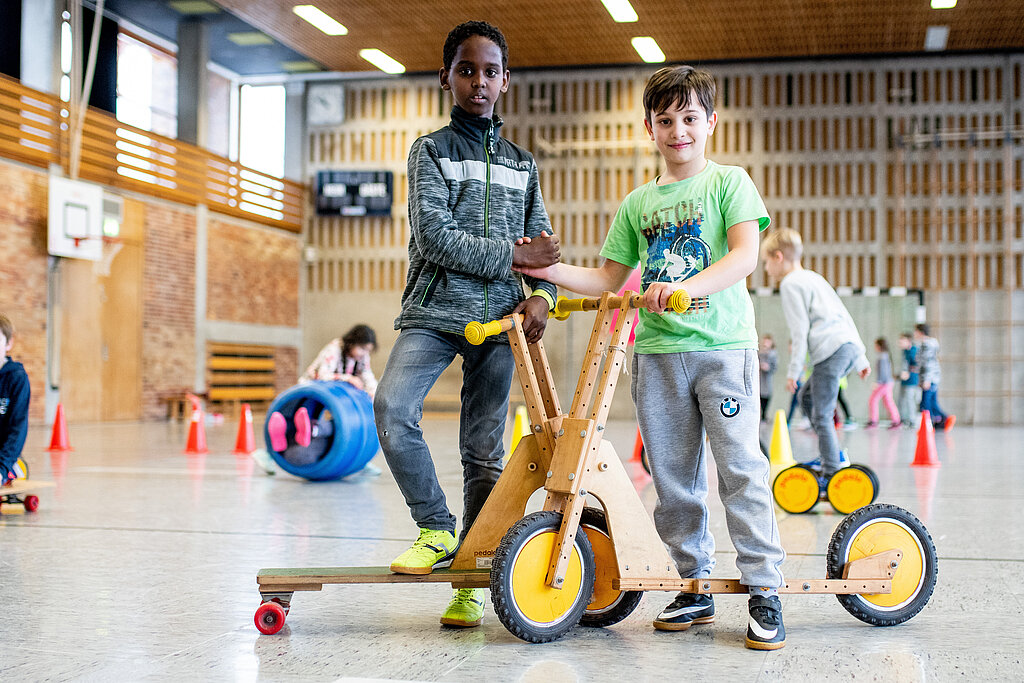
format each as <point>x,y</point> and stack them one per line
<point>525,604</point>
<point>875,529</point>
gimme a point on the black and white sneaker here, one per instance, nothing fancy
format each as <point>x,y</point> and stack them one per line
<point>765,630</point>
<point>686,609</point>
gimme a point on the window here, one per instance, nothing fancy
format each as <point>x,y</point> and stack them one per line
<point>261,128</point>
<point>147,87</point>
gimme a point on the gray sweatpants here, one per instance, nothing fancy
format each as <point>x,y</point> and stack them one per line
<point>679,398</point>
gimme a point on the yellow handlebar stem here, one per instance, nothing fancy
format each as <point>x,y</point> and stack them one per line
<point>477,332</point>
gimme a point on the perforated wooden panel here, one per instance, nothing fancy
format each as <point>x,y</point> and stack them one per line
<point>846,153</point>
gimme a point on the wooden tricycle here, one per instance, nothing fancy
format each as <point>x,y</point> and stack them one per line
<point>546,577</point>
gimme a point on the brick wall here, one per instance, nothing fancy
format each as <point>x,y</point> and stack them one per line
<point>253,274</point>
<point>168,328</point>
<point>286,367</point>
<point>23,272</point>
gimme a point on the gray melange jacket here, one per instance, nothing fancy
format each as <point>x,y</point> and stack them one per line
<point>471,195</point>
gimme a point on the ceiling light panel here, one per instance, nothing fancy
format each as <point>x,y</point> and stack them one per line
<point>320,19</point>
<point>943,4</point>
<point>250,38</point>
<point>188,7</point>
<point>648,49</point>
<point>382,61</point>
<point>620,10</point>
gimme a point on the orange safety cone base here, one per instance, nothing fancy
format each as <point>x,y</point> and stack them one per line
<point>925,454</point>
<point>245,442</point>
<point>59,438</point>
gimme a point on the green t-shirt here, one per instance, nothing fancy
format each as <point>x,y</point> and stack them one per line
<point>674,231</point>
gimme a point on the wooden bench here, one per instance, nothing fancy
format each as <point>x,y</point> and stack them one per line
<point>240,373</point>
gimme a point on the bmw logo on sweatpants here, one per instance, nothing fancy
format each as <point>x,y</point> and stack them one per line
<point>730,407</point>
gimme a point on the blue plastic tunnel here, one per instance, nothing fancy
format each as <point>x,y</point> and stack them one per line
<point>344,434</point>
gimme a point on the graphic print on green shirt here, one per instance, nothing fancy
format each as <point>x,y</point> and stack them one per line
<point>673,232</point>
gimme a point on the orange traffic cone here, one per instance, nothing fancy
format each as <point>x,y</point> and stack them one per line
<point>638,448</point>
<point>925,454</point>
<point>59,439</point>
<point>196,429</point>
<point>245,442</point>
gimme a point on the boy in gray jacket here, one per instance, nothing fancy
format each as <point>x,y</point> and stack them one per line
<point>819,325</point>
<point>471,196</point>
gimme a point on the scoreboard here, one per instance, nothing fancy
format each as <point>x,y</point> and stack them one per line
<point>354,193</point>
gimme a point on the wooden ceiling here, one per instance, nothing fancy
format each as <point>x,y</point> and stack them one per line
<point>565,33</point>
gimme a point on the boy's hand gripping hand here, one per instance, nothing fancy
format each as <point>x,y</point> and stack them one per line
<point>535,317</point>
<point>539,252</point>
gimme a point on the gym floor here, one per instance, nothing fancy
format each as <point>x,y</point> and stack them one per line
<point>140,564</point>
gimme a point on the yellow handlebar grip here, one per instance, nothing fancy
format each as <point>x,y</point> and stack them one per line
<point>477,332</point>
<point>679,301</point>
<point>560,312</point>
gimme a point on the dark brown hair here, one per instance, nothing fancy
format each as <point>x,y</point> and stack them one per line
<point>676,84</point>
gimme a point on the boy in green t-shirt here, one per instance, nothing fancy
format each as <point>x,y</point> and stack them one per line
<point>696,227</point>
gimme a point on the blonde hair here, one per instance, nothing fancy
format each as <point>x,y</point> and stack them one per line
<point>785,240</point>
<point>7,327</point>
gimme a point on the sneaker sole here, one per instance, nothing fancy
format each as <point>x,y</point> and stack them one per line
<point>758,645</point>
<point>682,626</point>
<point>458,623</point>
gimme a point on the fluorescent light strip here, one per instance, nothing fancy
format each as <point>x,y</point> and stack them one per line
<point>382,61</point>
<point>943,4</point>
<point>648,49</point>
<point>620,10</point>
<point>318,18</point>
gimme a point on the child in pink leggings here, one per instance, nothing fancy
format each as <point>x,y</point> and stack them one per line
<point>883,387</point>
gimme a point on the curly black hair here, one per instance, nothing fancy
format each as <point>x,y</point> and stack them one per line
<point>460,33</point>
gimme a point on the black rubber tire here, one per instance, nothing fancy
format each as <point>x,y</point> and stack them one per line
<point>503,566</point>
<point>594,521</point>
<point>838,551</point>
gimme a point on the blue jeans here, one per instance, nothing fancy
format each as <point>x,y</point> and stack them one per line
<point>930,402</point>
<point>818,401</point>
<point>416,361</point>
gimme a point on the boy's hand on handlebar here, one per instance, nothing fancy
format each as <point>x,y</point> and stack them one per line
<point>657,295</point>
<point>538,252</point>
<point>535,317</point>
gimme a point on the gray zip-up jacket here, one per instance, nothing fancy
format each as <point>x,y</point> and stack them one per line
<point>471,195</point>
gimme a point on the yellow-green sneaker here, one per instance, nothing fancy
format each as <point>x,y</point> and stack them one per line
<point>433,548</point>
<point>466,608</point>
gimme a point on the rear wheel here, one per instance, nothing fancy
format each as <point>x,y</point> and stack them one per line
<point>875,529</point>
<point>525,604</point>
<point>608,605</point>
<point>31,503</point>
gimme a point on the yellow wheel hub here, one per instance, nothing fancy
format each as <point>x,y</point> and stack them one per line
<point>605,570</point>
<point>850,489</point>
<point>537,601</point>
<point>796,489</point>
<point>882,535</point>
